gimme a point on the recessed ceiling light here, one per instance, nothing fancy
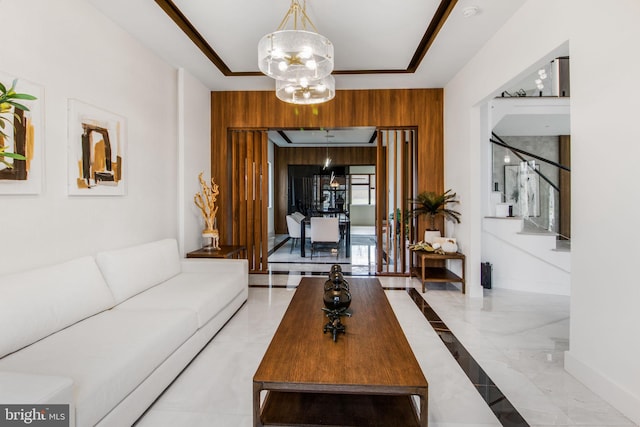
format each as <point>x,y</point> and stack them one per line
<point>470,11</point>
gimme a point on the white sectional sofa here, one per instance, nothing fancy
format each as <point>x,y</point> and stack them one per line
<point>108,334</point>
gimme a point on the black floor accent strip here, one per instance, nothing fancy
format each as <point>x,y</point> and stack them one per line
<point>278,246</point>
<point>320,273</point>
<point>497,401</point>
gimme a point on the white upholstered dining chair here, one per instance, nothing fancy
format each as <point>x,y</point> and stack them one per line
<point>324,232</point>
<point>294,231</point>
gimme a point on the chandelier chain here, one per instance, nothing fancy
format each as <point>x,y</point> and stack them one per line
<point>296,10</point>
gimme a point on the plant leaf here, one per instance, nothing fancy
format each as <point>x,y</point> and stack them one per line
<point>13,156</point>
<point>19,106</point>
<point>24,96</point>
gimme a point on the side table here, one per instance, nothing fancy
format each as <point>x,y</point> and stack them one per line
<point>437,274</point>
<point>225,251</point>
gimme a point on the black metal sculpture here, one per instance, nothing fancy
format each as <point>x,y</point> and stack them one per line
<point>337,299</point>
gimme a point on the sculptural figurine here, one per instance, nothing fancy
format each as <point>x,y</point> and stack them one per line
<point>205,200</point>
<point>337,299</point>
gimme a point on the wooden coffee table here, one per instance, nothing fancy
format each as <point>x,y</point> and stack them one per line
<point>367,378</point>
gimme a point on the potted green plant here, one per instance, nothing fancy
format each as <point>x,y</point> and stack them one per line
<point>433,205</point>
<point>7,103</point>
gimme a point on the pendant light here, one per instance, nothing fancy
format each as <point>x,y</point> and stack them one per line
<point>299,59</point>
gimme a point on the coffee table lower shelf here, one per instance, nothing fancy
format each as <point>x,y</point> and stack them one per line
<point>323,409</point>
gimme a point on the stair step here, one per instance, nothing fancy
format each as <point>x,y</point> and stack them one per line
<point>563,246</point>
<point>539,243</point>
<point>537,233</point>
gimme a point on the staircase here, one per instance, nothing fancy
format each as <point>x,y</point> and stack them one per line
<point>526,258</point>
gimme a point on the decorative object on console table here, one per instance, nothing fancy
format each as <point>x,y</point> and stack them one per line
<point>448,244</point>
<point>433,205</point>
<point>205,200</point>
<point>426,247</point>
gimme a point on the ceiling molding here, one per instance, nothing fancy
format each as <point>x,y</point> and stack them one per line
<point>285,137</point>
<point>374,136</point>
<point>437,22</point>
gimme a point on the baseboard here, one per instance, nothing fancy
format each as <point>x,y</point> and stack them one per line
<point>618,397</point>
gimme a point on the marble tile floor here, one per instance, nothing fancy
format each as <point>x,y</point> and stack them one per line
<point>518,338</point>
<point>362,261</point>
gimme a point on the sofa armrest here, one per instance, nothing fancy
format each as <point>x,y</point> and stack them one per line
<point>217,266</point>
<point>21,388</point>
<point>32,389</point>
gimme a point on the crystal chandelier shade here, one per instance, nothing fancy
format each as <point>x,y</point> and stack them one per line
<point>292,55</point>
<point>300,60</point>
<point>306,92</point>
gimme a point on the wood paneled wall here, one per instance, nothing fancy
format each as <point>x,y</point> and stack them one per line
<point>285,156</point>
<point>422,108</point>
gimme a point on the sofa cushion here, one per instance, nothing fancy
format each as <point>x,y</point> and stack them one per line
<point>132,270</point>
<point>37,303</point>
<point>107,355</point>
<point>204,293</point>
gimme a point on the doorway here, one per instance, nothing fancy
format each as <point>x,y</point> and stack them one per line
<point>373,198</point>
<point>419,109</point>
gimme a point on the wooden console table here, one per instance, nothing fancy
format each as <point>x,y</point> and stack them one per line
<point>437,274</point>
<point>225,251</point>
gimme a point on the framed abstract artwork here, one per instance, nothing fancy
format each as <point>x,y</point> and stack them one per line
<point>522,189</point>
<point>97,151</point>
<point>21,138</point>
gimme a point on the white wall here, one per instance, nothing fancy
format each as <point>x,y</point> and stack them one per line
<point>605,348</point>
<point>603,38</point>
<point>194,145</point>
<point>73,51</point>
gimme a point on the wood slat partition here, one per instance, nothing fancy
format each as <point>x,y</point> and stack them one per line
<point>382,222</point>
<point>395,180</point>
<point>421,109</point>
<point>247,166</point>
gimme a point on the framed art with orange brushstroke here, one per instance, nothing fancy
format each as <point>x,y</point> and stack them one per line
<point>97,151</point>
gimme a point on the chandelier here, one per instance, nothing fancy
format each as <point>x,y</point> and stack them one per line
<point>306,92</point>
<point>299,59</point>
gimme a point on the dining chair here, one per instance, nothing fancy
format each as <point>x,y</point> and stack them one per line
<point>294,230</point>
<point>325,232</point>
